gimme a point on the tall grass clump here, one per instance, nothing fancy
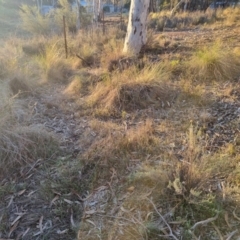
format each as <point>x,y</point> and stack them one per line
<point>13,62</point>
<point>133,88</point>
<point>10,58</point>
<point>20,145</point>
<point>80,84</point>
<point>111,53</point>
<point>52,62</point>
<point>215,62</point>
<point>34,22</point>
<point>230,16</point>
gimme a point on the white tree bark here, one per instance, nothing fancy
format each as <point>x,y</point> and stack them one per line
<point>99,11</point>
<point>94,11</point>
<point>185,5</point>
<point>78,25</point>
<point>136,36</point>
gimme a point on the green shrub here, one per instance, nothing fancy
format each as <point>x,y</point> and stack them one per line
<point>33,22</point>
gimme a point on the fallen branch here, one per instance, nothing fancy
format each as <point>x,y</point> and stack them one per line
<point>231,234</point>
<point>235,215</point>
<point>204,222</point>
<point>169,228</point>
<point>218,232</point>
<point>84,60</point>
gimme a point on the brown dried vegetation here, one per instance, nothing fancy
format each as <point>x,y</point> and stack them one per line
<point>116,147</point>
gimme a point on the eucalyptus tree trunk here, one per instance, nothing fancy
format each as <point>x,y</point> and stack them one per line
<point>136,36</point>
<point>78,25</point>
<point>94,11</point>
<point>99,10</point>
<point>185,5</point>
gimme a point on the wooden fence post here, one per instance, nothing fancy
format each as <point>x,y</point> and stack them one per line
<point>65,36</point>
<point>103,22</point>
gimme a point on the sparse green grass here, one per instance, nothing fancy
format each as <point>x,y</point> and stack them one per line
<point>215,62</point>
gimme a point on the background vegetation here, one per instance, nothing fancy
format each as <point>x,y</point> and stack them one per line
<point>107,145</point>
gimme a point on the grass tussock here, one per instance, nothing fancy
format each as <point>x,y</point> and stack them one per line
<point>52,63</point>
<point>19,86</point>
<point>20,145</point>
<point>112,51</point>
<point>80,84</point>
<point>132,89</point>
<point>230,16</point>
<point>10,58</point>
<point>215,62</point>
<point>23,145</point>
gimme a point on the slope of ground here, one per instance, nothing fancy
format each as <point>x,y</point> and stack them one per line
<point>149,150</point>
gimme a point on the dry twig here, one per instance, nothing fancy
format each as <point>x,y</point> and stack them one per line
<point>231,234</point>
<point>218,231</point>
<point>235,215</point>
<point>204,222</point>
<point>169,228</point>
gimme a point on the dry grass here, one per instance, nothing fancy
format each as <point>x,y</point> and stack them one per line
<point>151,173</point>
<point>112,51</point>
<point>133,88</point>
<point>80,84</point>
<point>114,143</point>
<point>34,22</point>
<point>162,20</point>
<point>166,197</point>
<point>95,48</point>
<point>230,16</point>
<point>20,146</point>
<point>52,63</point>
<point>9,58</point>
<point>215,62</point>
